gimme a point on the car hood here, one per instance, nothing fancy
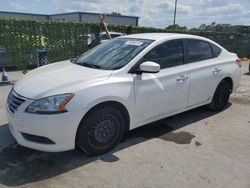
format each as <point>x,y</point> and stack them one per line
<point>58,78</point>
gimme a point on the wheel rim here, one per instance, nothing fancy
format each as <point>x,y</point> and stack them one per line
<point>104,132</point>
<point>44,61</point>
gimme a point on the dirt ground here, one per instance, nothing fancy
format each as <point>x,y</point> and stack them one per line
<point>198,148</point>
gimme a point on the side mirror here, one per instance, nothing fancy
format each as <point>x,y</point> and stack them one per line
<point>149,67</point>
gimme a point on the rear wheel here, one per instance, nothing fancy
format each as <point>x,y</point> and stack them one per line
<point>101,130</point>
<point>221,96</point>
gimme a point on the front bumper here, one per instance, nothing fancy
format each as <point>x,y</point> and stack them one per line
<point>59,128</point>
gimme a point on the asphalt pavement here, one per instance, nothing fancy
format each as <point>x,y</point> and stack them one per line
<point>198,148</point>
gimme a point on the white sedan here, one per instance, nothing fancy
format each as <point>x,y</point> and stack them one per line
<point>117,86</point>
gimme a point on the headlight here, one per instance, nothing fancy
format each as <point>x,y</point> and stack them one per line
<point>50,105</point>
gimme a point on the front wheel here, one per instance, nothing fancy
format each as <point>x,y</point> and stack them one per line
<point>221,96</point>
<point>101,130</point>
<point>43,59</point>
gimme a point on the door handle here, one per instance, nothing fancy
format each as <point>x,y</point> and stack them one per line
<point>182,78</point>
<point>217,70</point>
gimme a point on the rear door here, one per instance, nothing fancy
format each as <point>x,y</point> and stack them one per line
<point>205,70</point>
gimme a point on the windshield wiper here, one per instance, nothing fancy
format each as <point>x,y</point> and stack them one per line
<point>89,65</point>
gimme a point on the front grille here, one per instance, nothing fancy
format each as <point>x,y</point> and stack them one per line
<point>14,101</point>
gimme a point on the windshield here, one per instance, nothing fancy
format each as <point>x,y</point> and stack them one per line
<point>114,54</point>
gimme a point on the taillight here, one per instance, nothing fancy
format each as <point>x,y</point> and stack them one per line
<point>238,61</point>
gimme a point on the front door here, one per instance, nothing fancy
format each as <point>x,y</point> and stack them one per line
<point>166,92</point>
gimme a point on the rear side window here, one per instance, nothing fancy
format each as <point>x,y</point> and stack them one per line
<point>198,50</point>
<point>168,54</point>
<point>216,50</point>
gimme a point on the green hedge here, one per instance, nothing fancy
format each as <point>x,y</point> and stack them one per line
<point>21,38</point>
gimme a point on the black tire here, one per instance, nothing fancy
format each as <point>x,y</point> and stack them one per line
<point>100,131</point>
<point>221,96</point>
<point>43,59</point>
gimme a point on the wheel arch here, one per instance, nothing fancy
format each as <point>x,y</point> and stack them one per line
<point>113,103</point>
<point>230,81</point>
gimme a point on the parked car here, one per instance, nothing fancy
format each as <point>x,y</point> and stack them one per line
<point>122,84</point>
<point>35,58</point>
<point>104,37</point>
<point>31,59</point>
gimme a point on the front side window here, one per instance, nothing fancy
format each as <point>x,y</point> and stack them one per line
<point>168,54</point>
<point>113,54</point>
<point>198,50</point>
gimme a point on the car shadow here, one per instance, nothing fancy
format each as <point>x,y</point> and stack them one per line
<point>247,74</point>
<point>5,137</point>
<point>19,165</point>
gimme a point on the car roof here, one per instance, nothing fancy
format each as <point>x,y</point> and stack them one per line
<point>160,36</point>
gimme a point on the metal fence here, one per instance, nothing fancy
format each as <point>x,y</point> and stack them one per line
<point>26,44</point>
<point>11,73</point>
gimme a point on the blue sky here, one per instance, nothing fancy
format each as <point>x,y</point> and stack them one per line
<point>154,13</point>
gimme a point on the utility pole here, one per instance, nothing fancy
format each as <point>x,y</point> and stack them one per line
<point>175,7</point>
